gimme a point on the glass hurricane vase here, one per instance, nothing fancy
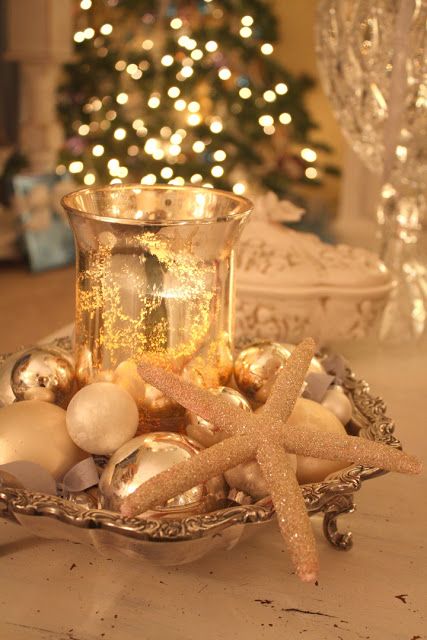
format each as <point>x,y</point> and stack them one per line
<point>373,62</point>
<point>155,279</point>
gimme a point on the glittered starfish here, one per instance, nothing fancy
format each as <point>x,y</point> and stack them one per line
<point>266,436</point>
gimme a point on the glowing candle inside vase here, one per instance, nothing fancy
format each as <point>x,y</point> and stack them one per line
<point>155,277</point>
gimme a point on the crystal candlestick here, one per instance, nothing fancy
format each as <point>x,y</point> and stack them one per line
<point>372,56</point>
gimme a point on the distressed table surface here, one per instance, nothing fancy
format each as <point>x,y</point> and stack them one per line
<point>52,590</point>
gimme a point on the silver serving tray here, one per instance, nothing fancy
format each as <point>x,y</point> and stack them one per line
<point>174,542</point>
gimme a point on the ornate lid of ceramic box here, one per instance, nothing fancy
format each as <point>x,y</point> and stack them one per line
<point>271,256</point>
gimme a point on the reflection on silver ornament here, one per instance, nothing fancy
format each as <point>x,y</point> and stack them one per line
<point>43,374</point>
<point>205,432</point>
<point>315,364</point>
<point>88,499</point>
<point>336,401</point>
<point>146,456</point>
<point>256,368</point>
<point>9,480</point>
<point>6,393</point>
<point>248,478</point>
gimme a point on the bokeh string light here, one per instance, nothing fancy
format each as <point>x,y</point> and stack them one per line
<point>161,94</point>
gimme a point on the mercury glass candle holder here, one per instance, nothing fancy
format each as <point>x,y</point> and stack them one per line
<point>155,279</point>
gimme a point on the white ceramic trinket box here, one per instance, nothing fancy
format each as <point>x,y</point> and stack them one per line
<point>291,284</point>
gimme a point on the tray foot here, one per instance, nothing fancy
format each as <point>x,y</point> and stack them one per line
<point>333,509</point>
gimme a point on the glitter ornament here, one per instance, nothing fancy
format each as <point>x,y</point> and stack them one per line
<point>307,412</point>
<point>43,374</point>
<point>144,457</point>
<point>263,436</point>
<point>101,417</point>
<point>336,401</point>
<point>35,431</point>
<point>207,433</point>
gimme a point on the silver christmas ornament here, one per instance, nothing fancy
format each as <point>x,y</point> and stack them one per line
<point>6,393</point>
<point>146,456</point>
<point>256,368</point>
<point>203,431</point>
<point>88,499</point>
<point>43,374</point>
<point>248,477</point>
<point>336,401</point>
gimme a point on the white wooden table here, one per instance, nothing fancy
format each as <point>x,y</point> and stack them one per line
<point>377,591</point>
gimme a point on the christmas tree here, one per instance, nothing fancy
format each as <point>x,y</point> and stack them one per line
<point>181,91</point>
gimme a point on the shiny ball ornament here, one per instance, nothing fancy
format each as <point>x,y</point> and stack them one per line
<point>256,367</point>
<point>126,376</point>
<point>6,392</point>
<point>146,456</point>
<point>206,433</point>
<point>101,417</point>
<point>248,477</point>
<point>157,412</point>
<point>336,401</point>
<point>315,364</point>
<point>36,431</point>
<point>315,416</point>
<point>43,369</point>
<point>9,480</point>
<point>86,499</point>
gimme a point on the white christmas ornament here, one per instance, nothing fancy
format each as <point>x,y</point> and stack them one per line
<point>35,431</point>
<point>101,417</point>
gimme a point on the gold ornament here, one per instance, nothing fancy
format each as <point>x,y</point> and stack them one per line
<point>314,414</point>
<point>207,433</point>
<point>126,376</point>
<point>43,374</point>
<point>263,436</point>
<point>144,457</point>
<point>35,431</point>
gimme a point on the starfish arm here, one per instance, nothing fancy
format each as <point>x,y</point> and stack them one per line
<point>190,473</point>
<point>212,408</point>
<point>290,508</point>
<point>287,386</point>
<point>306,441</point>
